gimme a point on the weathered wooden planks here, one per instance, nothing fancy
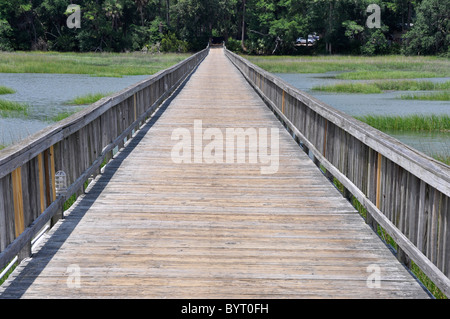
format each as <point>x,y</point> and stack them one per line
<point>151,228</point>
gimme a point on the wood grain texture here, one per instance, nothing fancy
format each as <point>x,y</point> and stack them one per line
<point>150,228</point>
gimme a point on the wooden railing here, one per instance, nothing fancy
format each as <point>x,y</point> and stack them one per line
<point>404,191</point>
<point>76,146</point>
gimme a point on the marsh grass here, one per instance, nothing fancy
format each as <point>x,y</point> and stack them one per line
<point>432,288</point>
<point>386,74</point>
<point>412,85</point>
<point>435,96</point>
<point>62,115</point>
<point>3,279</point>
<point>98,64</point>
<point>87,98</point>
<point>380,86</point>
<point>11,108</point>
<point>357,67</point>
<point>364,88</point>
<point>442,158</point>
<point>415,122</point>
<point>6,90</point>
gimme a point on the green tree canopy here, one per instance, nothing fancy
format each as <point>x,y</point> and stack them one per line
<point>263,26</point>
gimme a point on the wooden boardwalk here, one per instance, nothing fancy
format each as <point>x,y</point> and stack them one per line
<point>151,228</point>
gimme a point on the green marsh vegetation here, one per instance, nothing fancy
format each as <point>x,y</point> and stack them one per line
<point>435,96</point>
<point>12,109</point>
<point>415,122</point>
<point>379,74</point>
<point>2,280</point>
<point>79,100</point>
<point>87,98</point>
<point>95,64</point>
<point>442,158</point>
<point>20,110</point>
<point>6,90</point>
<point>365,88</point>
<point>358,67</point>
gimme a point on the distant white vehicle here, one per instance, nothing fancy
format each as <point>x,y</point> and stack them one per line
<point>301,41</point>
<point>311,40</point>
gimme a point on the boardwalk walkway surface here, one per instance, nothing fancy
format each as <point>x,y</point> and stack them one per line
<point>152,228</point>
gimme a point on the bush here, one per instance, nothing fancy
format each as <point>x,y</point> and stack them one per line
<point>5,32</point>
<point>66,42</point>
<point>234,45</point>
<point>170,43</point>
<point>376,43</point>
<point>139,37</point>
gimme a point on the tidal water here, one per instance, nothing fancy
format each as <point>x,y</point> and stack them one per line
<point>387,103</point>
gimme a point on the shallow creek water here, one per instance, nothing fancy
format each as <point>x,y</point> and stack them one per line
<point>387,103</point>
<point>47,95</point>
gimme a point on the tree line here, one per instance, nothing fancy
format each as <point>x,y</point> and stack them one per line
<point>251,26</point>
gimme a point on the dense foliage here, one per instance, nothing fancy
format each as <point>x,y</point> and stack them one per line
<point>268,26</point>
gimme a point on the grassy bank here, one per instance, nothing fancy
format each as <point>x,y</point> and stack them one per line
<point>6,90</point>
<point>96,64</point>
<point>437,96</point>
<point>386,74</point>
<point>442,158</point>
<point>417,123</point>
<point>364,88</point>
<point>11,108</point>
<point>357,67</point>
<point>385,85</point>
